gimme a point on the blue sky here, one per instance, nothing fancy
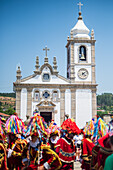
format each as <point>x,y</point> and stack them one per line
<point>27,26</point>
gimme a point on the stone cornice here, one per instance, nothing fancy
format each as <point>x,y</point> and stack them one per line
<point>80,41</point>
<point>59,86</point>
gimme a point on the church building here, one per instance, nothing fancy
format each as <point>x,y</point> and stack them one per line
<point>54,96</point>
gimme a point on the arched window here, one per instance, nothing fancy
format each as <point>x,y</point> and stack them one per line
<point>82,53</point>
<point>55,96</point>
<point>37,95</point>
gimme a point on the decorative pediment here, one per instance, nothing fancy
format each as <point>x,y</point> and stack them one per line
<point>46,66</point>
<point>47,104</point>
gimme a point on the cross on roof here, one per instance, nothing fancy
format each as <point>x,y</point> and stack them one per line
<point>79,4</point>
<point>46,49</point>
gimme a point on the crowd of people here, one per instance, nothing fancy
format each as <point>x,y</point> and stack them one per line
<point>39,147</point>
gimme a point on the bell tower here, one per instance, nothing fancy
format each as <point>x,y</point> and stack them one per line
<point>81,53</point>
<point>81,70</point>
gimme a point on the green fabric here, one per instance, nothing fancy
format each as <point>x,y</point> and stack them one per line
<point>109,163</point>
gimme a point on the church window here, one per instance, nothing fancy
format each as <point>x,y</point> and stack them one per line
<point>37,95</point>
<point>46,94</point>
<point>46,77</point>
<point>82,53</point>
<point>55,96</point>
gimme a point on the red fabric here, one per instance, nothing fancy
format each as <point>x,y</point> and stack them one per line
<point>64,147</point>
<point>102,139</point>
<point>47,156</point>
<point>87,153</point>
<point>87,147</point>
<point>70,126</point>
<point>68,166</point>
<point>105,144</point>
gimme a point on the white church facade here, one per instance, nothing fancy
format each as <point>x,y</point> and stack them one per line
<point>55,96</point>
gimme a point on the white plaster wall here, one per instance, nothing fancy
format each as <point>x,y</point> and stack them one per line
<point>57,115</point>
<point>76,52</point>
<point>38,80</point>
<point>57,107</point>
<point>88,68</point>
<point>68,102</point>
<point>23,110</point>
<point>83,107</point>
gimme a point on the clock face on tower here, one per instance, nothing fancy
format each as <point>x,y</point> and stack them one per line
<point>83,73</point>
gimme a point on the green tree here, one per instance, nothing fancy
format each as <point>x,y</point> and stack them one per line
<point>1,110</point>
<point>9,111</point>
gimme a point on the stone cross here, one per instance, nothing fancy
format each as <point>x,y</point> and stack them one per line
<point>80,6</point>
<point>46,49</point>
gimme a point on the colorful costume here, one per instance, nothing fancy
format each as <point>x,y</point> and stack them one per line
<point>41,154</point>
<point>54,132</point>
<point>66,152</point>
<point>87,153</point>
<point>103,150</point>
<point>16,145</point>
<point>3,159</point>
<point>3,163</point>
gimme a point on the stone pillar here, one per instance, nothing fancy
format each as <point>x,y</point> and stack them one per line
<point>29,102</point>
<point>62,105</point>
<point>72,73</point>
<point>73,104</point>
<point>18,101</point>
<point>94,103</point>
<point>93,62</point>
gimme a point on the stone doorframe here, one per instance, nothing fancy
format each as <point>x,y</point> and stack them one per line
<point>47,106</point>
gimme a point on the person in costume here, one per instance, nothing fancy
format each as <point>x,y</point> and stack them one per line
<point>101,152</point>
<point>78,140</point>
<point>3,159</point>
<point>54,132</point>
<point>41,156</point>
<point>54,137</point>
<point>87,147</point>
<point>15,145</point>
<point>66,151</point>
<point>65,147</point>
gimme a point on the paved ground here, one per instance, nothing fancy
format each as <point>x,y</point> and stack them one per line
<point>77,166</point>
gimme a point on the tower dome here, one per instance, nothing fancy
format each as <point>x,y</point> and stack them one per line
<point>80,31</point>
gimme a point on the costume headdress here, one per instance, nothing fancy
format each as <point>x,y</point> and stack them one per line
<point>13,125</point>
<point>37,124</point>
<point>70,126</point>
<point>100,129</point>
<point>89,128</point>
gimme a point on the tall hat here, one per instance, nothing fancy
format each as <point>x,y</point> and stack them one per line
<point>13,125</point>
<point>100,129</point>
<point>89,128</point>
<point>70,126</point>
<point>37,124</point>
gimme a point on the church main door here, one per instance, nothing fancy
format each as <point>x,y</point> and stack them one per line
<point>47,116</point>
